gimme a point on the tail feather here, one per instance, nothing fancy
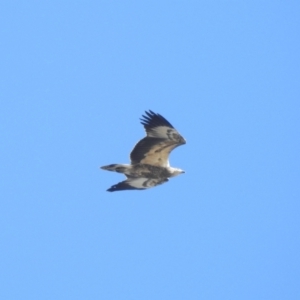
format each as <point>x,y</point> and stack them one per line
<point>115,168</point>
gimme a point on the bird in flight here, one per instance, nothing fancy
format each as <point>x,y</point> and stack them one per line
<point>150,156</point>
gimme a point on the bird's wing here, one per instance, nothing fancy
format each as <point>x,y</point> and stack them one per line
<point>161,139</point>
<point>136,184</point>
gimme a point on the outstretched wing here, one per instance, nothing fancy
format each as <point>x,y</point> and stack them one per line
<point>161,139</point>
<point>136,184</point>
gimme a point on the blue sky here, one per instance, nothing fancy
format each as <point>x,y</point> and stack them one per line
<point>77,76</point>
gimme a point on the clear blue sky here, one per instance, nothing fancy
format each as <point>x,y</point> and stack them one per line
<point>75,78</point>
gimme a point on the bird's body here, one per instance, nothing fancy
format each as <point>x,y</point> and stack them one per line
<point>143,170</point>
<point>149,158</point>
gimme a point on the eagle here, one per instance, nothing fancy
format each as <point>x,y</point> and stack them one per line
<point>150,156</point>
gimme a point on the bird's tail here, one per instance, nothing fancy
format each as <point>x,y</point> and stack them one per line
<point>116,168</point>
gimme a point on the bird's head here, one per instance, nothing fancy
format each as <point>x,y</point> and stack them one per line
<point>177,171</point>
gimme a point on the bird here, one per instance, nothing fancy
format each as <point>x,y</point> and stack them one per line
<point>150,165</point>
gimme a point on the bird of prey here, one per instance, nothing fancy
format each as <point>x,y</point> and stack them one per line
<point>150,156</point>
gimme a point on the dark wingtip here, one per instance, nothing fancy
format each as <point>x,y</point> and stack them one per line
<point>113,188</point>
<point>151,119</point>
